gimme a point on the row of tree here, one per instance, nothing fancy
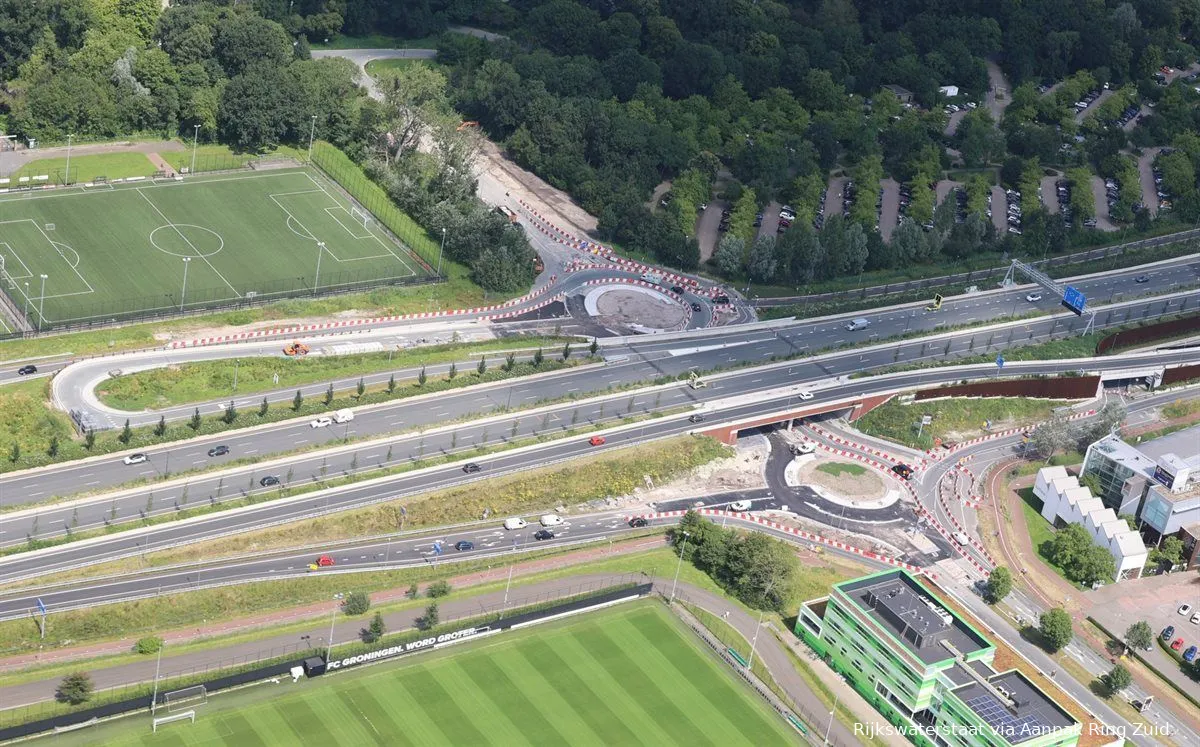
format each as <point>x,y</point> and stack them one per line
<point>753,567</point>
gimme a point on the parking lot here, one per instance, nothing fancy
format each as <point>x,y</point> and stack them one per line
<point>889,207</point>
<point>1156,600</point>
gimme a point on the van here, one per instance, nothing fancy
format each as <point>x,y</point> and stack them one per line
<point>551,520</point>
<point>857,324</point>
<point>343,416</point>
<point>652,277</point>
<point>961,538</point>
<point>514,523</point>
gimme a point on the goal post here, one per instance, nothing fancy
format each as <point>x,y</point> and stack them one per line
<point>182,716</point>
<point>360,216</point>
<point>187,698</point>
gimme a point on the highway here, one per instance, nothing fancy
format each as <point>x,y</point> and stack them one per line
<point>49,560</point>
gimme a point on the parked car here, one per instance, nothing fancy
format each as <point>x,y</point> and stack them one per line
<point>462,545</point>
<point>1190,655</point>
<point>1195,619</point>
<point>26,370</point>
<point>1185,609</point>
<point>217,451</point>
<point>135,459</point>
<point>1168,632</point>
<point>1176,644</point>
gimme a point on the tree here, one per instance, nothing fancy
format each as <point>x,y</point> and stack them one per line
<point>510,361</point>
<point>593,347</point>
<point>1051,436</point>
<point>263,408</point>
<point>15,454</point>
<point>362,387</point>
<point>1117,679</point>
<point>161,427</point>
<point>148,645</point>
<point>126,433</point>
<point>245,40</point>
<point>566,351</point>
<point>412,592</point>
<point>1055,627</point>
<point>230,413</point>
<point>537,358</point>
<point>421,377</point>
<point>329,393</point>
<point>431,616</point>
<point>257,108</point>
<point>195,422</point>
<point>356,603</point>
<point>391,385</point>
<point>376,629</point>
<point>999,584</point>
<point>1139,636</point>
<point>437,589</point>
<point>452,372</point>
<point>75,688</point>
<point>52,449</point>
<point>730,255</point>
<point>481,367</point>
<point>297,401</point>
<point>762,263</point>
<point>89,439</point>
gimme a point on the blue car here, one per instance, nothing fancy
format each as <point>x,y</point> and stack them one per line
<point>1168,632</point>
<point>1190,655</point>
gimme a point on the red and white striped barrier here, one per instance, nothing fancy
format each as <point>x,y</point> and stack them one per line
<point>945,533</point>
<point>802,534</point>
<point>922,463</point>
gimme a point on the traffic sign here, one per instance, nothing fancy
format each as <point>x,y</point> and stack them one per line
<point>999,361</point>
<point>1074,299</point>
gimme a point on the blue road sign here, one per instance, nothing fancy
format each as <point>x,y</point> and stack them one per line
<point>437,547</point>
<point>41,607</point>
<point>1074,300</point>
<point>999,361</point>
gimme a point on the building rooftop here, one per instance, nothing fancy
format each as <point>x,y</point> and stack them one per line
<point>1130,544</point>
<point>1029,714</point>
<point>1185,444</point>
<point>906,610</point>
<point>1119,451</point>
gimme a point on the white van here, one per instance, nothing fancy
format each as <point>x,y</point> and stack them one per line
<point>857,324</point>
<point>343,416</point>
<point>652,277</point>
<point>551,520</point>
<point>514,523</point>
<point>961,538</point>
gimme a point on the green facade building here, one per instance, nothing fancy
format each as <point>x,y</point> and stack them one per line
<point>926,669</point>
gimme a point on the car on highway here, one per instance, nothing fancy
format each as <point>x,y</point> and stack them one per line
<point>1033,297</point>
<point>217,451</point>
<point>543,534</point>
<point>677,290</point>
<point>695,418</point>
<point>26,370</point>
<point>471,468</point>
<point>1168,632</point>
<point>902,469</point>
<point>135,459</point>
<point>515,522</point>
<point>597,440</point>
<point>551,520</point>
<point>805,395</point>
<point>269,480</point>
<point>1176,644</point>
<point>322,422</point>
<point>638,522</point>
<point>696,306</point>
<point>802,448</point>
<point>463,545</point>
<point>1185,609</point>
<point>324,561</point>
<point>1142,279</point>
<point>1190,655</point>
<point>739,506</point>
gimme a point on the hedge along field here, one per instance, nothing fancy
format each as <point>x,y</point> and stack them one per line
<point>582,481</point>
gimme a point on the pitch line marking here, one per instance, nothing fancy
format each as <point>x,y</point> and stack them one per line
<point>188,242</point>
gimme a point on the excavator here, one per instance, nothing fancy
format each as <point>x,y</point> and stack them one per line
<point>295,348</point>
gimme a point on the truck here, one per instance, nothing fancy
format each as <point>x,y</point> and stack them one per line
<point>343,416</point>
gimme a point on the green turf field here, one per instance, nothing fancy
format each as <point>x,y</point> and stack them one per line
<point>631,675</point>
<point>106,251</point>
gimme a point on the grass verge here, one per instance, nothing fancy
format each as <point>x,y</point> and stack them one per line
<point>728,635</point>
<point>381,67</point>
<point>85,168</point>
<point>837,469</point>
<point>953,419</point>
<point>208,380</point>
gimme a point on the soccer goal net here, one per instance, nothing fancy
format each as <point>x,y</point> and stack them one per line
<point>361,217</point>
<point>188,697</point>
<point>182,716</point>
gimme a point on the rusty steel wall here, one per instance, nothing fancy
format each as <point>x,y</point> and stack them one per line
<point>1148,334</point>
<point>1075,387</point>
<point>1181,373</point>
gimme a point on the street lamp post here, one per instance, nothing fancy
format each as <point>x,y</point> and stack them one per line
<point>42,302</point>
<point>332,620</point>
<point>183,291</point>
<point>26,300</point>
<point>195,143</point>
<point>236,363</point>
<point>67,179</point>
<point>829,726</point>
<point>678,566</point>
<point>312,131</point>
<point>440,252</point>
<point>317,277</point>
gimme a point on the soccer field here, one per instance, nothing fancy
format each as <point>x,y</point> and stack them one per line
<point>112,250</point>
<point>627,676</point>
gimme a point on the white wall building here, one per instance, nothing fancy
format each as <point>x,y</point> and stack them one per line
<point>1065,501</point>
<point>949,91</point>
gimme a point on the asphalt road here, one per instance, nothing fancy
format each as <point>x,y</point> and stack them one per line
<point>124,544</point>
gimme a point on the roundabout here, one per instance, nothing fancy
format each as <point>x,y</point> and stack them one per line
<point>641,308</point>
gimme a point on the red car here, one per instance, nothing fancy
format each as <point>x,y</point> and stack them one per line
<point>324,561</point>
<point>1176,644</point>
<point>597,441</point>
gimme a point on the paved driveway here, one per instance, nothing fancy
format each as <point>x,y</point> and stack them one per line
<point>1049,194</point>
<point>707,228</point>
<point>1146,174</point>
<point>997,86</point>
<point>999,210</point>
<point>1100,196</point>
<point>889,212</point>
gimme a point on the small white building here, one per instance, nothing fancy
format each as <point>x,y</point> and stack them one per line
<point>1065,501</point>
<point>949,91</point>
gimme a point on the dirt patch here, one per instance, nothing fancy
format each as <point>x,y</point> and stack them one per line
<point>635,307</point>
<point>867,485</point>
<point>741,471</point>
<point>161,164</point>
<point>552,203</point>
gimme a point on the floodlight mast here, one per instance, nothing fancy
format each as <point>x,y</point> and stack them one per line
<point>1046,282</point>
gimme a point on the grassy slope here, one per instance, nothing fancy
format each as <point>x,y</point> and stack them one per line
<point>839,468</point>
<point>84,168</point>
<point>959,416</point>
<point>27,420</point>
<point>626,674</point>
<point>198,382</point>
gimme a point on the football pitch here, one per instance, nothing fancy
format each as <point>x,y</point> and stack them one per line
<point>627,676</point>
<point>155,245</point>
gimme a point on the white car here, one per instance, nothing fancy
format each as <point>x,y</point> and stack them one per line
<point>1195,619</point>
<point>514,523</point>
<point>805,395</point>
<point>135,459</point>
<point>804,447</point>
<point>1184,609</point>
<point>551,520</point>
<point>739,506</point>
<point>1033,297</point>
<point>321,422</point>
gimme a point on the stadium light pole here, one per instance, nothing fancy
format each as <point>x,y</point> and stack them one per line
<point>332,619</point>
<point>441,251</point>
<point>195,143</point>
<point>26,300</point>
<point>678,566</point>
<point>317,277</point>
<point>183,291</point>
<point>42,302</point>
<point>67,179</point>
<point>311,132</point>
